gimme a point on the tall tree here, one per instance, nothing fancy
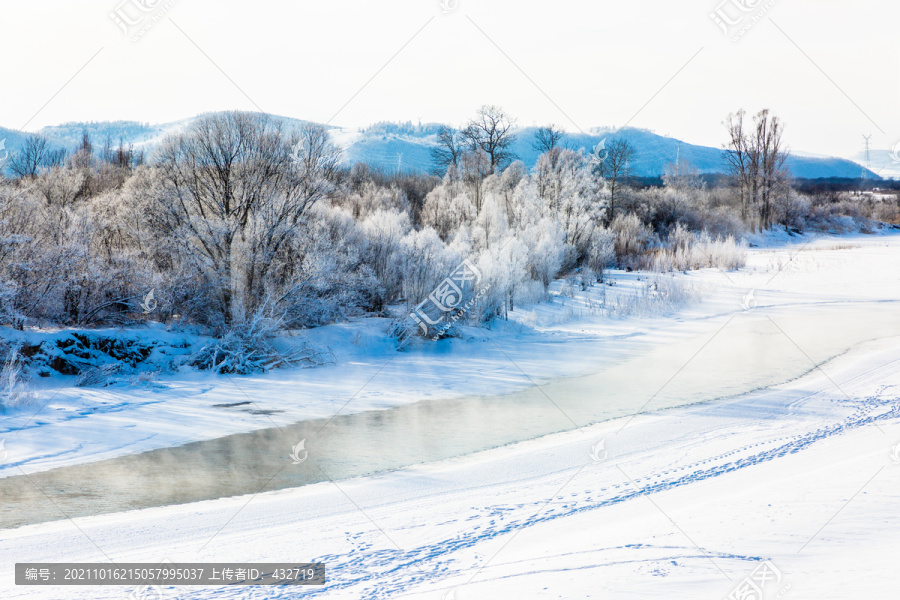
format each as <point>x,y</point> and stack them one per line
<point>491,132</point>
<point>448,151</point>
<point>34,155</point>
<point>757,161</point>
<point>615,168</point>
<point>738,157</point>
<point>239,185</point>
<point>771,157</point>
<point>547,139</point>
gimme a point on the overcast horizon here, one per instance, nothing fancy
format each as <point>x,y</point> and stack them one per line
<point>667,68</point>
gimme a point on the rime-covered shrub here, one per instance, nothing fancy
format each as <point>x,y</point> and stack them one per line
<point>631,239</point>
<point>685,250</point>
<point>99,376</point>
<point>887,211</point>
<point>250,347</point>
<point>602,251</point>
<point>546,250</point>
<point>792,211</point>
<point>15,391</point>
<point>658,295</point>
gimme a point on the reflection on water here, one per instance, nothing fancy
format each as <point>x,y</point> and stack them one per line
<point>748,353</point>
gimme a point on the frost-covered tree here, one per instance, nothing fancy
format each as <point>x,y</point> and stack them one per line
<point>424,261</point>
<point>545,241</point>
<point>615,169</point>
<point>385,231</point>
<point>756,158</point>
<point>237,187</point>
<point>491,226</point>
<point>503,187</point>
<point>61,186</point>
<point>574,198</point>
<point>448,208</point>
<point>503,268</point>
<point>323,274</point>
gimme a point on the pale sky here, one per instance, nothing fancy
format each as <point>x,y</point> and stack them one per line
<point>665,64</point>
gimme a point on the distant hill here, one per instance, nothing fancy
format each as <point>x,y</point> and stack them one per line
<point>383,147</point>
<point>407,147</point>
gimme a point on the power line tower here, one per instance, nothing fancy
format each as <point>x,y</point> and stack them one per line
<point>399,162</point>
<point>868,158</point>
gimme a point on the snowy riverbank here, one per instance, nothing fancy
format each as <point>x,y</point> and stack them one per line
<point>570,336</point>
<point>792,463</point>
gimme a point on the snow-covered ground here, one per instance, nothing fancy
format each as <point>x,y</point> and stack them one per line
<point>682,502</point>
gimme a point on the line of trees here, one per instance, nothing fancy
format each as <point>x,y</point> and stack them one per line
<point>243,216</point>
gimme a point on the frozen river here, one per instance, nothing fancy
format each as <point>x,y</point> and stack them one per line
<point>731,355</point>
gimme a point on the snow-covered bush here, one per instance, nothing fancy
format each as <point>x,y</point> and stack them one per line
<point>631,239</point>
<point>722,221</point>
<point>323,274</point>
<point>385,231</point>
<point>15,391</point>
<point>686,250</point>
<point>99,376</point>
<point>250,347</point>
<point>424,261</point>
<point>887,211</point>
<point>792,211</point>
<point>448,208</point>
<point>546,250</point>
<point>601,253</point>
<point>658,295</point>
